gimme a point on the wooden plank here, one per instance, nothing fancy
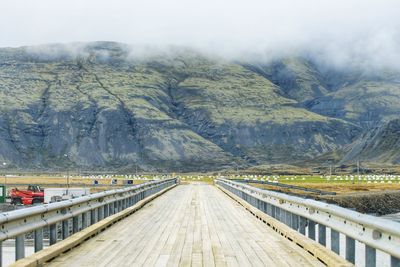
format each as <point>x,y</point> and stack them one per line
<point>159,242</point>
<point>186,255</point>
<point>162,261</point>
<point>183,228</point>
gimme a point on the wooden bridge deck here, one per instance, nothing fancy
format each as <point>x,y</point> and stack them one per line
<point>190,225</point>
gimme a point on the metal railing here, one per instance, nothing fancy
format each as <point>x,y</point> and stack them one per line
<point>67,217</point>
<point>316,219</point>
<point>289,186</point>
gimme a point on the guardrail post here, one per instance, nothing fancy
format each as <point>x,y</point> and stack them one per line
<point>100,212</point>
<point>285,216</point>
<point>335,241</point>
<point>370,256</point>
<point>311,229</point>
<point>295,221</point>
<point>20,247</point>
<point>282,216</point>
<point>350,249</point>
<point>322,234</point>
<point>84,220</point>
<point>38,239</point>
<point>394,262</point>
<point>105,210</point>
<point>75,224</point>
<point>93,216</point>
<point>278,213</point>
<point>112,205</point>
<point>65,229</point>
<point>53,234</point>
<point>303,225</point>
<point>288,218</point>
<point>268,209</point>
<point>273,211</point>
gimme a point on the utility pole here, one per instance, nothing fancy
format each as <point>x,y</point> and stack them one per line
<point>65,155</point>
<point>5,176</point>
<point>358,171</point>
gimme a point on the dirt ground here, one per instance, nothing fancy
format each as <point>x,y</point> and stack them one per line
<point>341,188</point>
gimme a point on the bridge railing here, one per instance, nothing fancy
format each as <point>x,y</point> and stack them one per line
<point>362,235</point>
<point>67,217</point>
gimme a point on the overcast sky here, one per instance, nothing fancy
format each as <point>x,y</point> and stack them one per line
<point>340,30</point>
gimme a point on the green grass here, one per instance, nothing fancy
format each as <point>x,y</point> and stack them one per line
<point>291,179</point>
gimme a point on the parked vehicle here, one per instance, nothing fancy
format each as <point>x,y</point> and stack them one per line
<point>33,195</point>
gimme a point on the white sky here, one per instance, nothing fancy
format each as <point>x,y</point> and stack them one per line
<point>368,30</point>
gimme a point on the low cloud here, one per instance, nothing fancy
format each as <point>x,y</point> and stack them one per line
<point>341,32</point>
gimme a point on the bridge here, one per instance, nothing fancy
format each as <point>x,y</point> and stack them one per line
<point>166,223</point>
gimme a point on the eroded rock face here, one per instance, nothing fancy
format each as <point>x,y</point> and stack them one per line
<point>379,144</point>
<point>104,106</point>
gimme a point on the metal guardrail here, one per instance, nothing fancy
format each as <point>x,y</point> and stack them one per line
<point>82,212</point>
<point>311,190</point>
<point>314,219</point>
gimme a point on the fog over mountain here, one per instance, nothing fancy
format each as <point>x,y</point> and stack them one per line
<point>342,33</point>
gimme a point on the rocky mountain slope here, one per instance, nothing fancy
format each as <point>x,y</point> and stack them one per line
<point>103,105</point>
<point>380,144</point>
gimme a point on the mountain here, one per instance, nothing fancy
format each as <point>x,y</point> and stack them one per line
<point>367,100</point>
<point>107,105</point>
<point>362,96</point>
<point>379,145</point>
<point>297,78</point>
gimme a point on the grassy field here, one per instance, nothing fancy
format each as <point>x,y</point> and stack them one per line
<point>339,184</point>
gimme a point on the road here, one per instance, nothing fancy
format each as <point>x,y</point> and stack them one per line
<point>190,225</point>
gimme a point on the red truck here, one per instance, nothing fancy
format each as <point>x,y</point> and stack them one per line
<point>33,195</point>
